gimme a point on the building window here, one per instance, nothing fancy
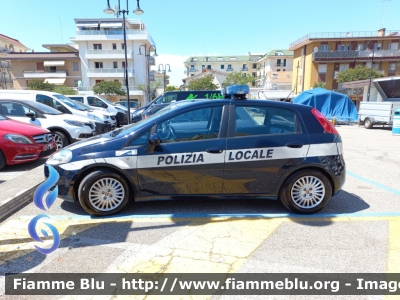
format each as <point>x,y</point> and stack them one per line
<point>284,62</point>
<point>220,59</point>
<point>229,68</point>
<point>360,47</point>
<point>115,64</point>
<point>278,62</point>
<point>322,68</point>
<point>114,46</point>
<point>207,59</point>
<point>75,66</point>
<point>254,66</point>
<point>116,80</point>
<point>274,76</point>
<point>278,53</point>
<point>76,83</point>
<point>343,67</point>
<point>278,70</point>
<point>392,67</point>
<point>284,70</point>
<point>191,74</point>
<point>97,46</point>
<point>123,46</point>
<point>194,59</point>
<point>343,47</point>
<point>98,81</point>
<point>324,48</point>
<point>233,59</point>
<point>123,65</point>
<point>393,46</point>
<point>377,46</point>
<point>98,65</point>
<point>222,67</point>
<point>209,67</point>
<point>203,66</point>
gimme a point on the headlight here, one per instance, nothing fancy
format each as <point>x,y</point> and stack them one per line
<point>74,123</point>
<point>17,138</point>
<point>95,118</point>
<point>61,157</point>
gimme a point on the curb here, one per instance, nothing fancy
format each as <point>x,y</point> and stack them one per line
<point>18,193</point>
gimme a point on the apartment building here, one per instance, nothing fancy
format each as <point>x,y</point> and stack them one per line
<point>101,49</point>
<point>7,45</point>
<point>60,66</point>
<point>319,57</point>
<point>238,63</point>
<point>274,70</point>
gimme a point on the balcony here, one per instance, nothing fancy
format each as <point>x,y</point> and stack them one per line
<point>355,55</point>
<point>46,74</point>
<point>117,34</point>
<point>107,54</point>
<point>111,72</point>
<point>280,65</point>
<point>342,36</point>
<point>192,70</point>
<point>229,69</point>
<point>245,69</point>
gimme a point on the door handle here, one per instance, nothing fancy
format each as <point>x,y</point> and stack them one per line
<point>214,150</point>
<point>294,145</point>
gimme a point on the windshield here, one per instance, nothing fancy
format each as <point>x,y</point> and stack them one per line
<point>44,108</point>
<point>2,118</point>
<point>120,132</point>
<point>70,102</point>
<point>82,104</point>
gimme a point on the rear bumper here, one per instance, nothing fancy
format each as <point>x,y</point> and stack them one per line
<point>122,118</point>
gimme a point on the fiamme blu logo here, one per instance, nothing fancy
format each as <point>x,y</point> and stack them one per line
<point>44,203</point>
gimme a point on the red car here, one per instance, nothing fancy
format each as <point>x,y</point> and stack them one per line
<point>21,142</point>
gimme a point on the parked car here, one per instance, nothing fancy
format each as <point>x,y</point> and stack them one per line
<point>124,103</point>
<point>108,117</point>
<point>94,101</point>
<point>208,148</point>
<point>65,128</point>
<point>21,142</point>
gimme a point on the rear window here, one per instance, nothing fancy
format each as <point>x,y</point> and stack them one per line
<point>80,99</point>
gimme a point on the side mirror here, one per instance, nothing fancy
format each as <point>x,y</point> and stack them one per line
<point>31,115</point>
<point>104,105</point>
<point>155,139</point>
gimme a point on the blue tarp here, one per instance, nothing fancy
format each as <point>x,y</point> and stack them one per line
<point>330,104</point>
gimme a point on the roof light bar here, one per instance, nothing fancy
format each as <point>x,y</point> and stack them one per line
<point>236,91</point>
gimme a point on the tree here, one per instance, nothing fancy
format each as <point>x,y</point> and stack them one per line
<point>64,90</point>
<point>237,78</point>
<point>202,84</point>
<point>154,85</point>
<point>109,88</point>
<point>319,85</point>
<point>358,73</point>
<point>39,85</point>
<point>171,88</point>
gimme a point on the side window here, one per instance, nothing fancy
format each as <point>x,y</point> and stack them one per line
<point>159,101</point>
<point>257,120</point>
<point>12,109</point>
<point>140,140</point>
<point>198,124</point>
<point>46,100</point>
<point>93,101</point>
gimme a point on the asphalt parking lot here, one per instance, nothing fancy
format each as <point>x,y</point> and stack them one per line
<point>10,172</point>
<point>358,231</point>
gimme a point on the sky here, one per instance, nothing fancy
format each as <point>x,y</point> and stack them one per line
<point>183,28</point>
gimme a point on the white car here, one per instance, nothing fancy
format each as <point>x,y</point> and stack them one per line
<point>66,128</point>
<point>105,116</point>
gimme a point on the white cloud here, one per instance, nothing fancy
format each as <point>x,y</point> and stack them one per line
<point>177,68</point>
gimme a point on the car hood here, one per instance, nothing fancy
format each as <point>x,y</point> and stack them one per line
<point>74,118</point>
<point>16,127</point>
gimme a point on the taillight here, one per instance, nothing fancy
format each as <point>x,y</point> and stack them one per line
<point>328,127</point>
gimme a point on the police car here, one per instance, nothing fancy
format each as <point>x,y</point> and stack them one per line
<point>232,147</point>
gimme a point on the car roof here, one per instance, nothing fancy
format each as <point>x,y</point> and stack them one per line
<point>26,102</point>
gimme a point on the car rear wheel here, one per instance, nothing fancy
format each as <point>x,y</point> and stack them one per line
<point>3,162</point>
<point>60,139</point>
<point>306,191</point>
<point>367,123</point>
<point>103,193</point>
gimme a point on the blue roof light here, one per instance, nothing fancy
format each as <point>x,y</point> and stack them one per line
<point>239,90</point>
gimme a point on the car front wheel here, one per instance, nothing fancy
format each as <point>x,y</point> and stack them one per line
<point>60,139</point>
<point>306,191</point>
<point>103,193</point>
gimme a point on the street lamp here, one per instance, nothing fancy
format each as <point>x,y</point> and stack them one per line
<point>164,70</point>
<point>137,11</point>
<point>147,55</point>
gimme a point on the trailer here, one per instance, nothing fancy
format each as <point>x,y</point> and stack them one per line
<point>381,111</point>
<point>377,113</point>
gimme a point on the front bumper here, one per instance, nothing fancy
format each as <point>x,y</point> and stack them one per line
<point>18,154</point>
<point>122,118</point>
<point>65,182</point>
<point>102,127</point>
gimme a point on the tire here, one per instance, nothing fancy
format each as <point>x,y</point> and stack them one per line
<point>309,180</point>
<point>60,139</point>
<point>3,161</point>
<point>95,185</point>
<point>367,123</point>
